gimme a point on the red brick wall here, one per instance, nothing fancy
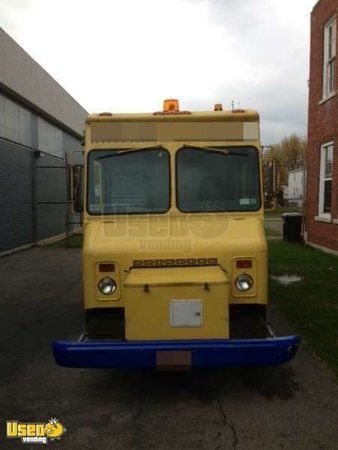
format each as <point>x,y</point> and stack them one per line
<point>322,127</point>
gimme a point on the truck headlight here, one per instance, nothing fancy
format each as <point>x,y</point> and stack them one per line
<point>107,286</point>
<point>243,282</point>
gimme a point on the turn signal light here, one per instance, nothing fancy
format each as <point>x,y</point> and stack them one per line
<point>243,263</point>
<point>107,267</point>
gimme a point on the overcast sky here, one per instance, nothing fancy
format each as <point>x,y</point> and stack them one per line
<point>128,55</point>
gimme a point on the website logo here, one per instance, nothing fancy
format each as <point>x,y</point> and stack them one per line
<point>35,432</point>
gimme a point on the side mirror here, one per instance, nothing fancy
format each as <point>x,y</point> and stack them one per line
<point>77,190</point>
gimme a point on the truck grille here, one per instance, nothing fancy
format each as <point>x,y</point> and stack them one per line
<point>180,262</point>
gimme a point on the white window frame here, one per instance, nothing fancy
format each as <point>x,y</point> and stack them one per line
<point>322,179</point>
<point>330,33</point>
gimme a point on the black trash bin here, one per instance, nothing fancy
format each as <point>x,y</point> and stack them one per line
<point>292,226</point>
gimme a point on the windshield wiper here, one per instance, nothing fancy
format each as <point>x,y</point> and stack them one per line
<point>218,150</point>
<point>223,151</point>
<point>127,150</point>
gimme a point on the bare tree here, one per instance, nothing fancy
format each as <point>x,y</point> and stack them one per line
<point>279,159</point>
<point>290,152</point>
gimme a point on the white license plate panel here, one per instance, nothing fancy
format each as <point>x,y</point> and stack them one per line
<point>186,313</point>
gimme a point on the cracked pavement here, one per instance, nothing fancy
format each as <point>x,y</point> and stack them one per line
<point>294,406</point>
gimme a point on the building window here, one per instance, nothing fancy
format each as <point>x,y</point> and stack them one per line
<point>325,190</point>
<point>329,68</point>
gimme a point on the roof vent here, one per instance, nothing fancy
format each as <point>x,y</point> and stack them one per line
<point>105,114</point>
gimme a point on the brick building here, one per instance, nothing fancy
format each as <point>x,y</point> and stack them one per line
<point>321,215</point>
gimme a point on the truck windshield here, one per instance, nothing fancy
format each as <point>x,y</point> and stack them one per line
<point>215,180</point>
<point>128,182</point>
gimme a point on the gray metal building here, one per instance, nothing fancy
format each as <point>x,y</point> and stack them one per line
<point>40,123</point>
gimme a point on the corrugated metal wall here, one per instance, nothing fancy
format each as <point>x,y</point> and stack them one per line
<point>33,191</point>
<point>51,196</point>
<point>16,196</point>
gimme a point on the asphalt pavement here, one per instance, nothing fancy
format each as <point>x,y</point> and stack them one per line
<point>294,406</point>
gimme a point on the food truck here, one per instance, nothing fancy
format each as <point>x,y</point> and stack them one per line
<point>174,250</point>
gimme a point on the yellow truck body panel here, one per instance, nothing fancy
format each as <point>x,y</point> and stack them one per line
<point>176,303</point>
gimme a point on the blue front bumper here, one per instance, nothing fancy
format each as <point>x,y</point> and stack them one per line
<point>203,353</point>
